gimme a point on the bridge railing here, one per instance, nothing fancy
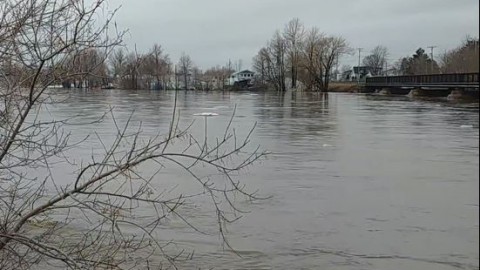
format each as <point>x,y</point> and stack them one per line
<point>431,79</point>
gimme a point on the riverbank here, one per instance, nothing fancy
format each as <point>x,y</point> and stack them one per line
<point>343,87</point>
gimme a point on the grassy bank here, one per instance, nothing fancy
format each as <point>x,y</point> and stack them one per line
<point>343,87</point>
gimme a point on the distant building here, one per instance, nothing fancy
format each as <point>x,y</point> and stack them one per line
<point>366,71</point>
<point>244,75</point>
<point>360,72</point>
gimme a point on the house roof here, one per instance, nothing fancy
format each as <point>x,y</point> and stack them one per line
<point>365,69</point>
<point>243,71</point>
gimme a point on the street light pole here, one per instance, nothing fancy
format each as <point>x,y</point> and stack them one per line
<point>358,67</point>
<point>431,56</point>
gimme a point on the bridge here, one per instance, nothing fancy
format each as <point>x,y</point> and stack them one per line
<point>452,85</point>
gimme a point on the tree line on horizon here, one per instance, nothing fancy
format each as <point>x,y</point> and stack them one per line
<point>152,70</point>
<point>295,57</point>
<point>155,70</point>
<point>308,58</point>
<point>462,59</point>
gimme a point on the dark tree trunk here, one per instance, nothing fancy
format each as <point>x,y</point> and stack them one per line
<point>294,77</point>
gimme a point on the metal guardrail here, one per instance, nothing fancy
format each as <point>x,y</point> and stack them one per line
<point>453,79</point>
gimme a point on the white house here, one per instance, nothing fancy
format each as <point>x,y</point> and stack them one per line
<point>360,71</point>
<point>244,75</point>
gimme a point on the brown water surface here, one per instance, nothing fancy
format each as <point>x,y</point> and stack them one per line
<point>357,181</point>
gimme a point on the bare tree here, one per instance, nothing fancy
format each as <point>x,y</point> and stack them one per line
<point>209,78</point>
<point>38,210</point>
<point>185,64</point>
<point>260,64</point>
<point>91,67</point>
<point>224,73</point>
<point>215,77</point>
<point>310,56</point>
<point>118,61</point>
<point>272,61</point>
<point>333,48</point>
<point>133,71</point>
<point>157,54</point>
<point>318,58</point>
<point>294,33</point>
<point>161,65</point>
<point>197,75</point>
<point>462,59</point>
<point>312,59</point>
<point>153,67</point>
<point>376,59</point>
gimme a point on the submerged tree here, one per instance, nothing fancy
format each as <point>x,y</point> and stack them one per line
<point>185,65</point>
<point>158,64</point>
<point>294,33</point>
<point>312,58</point>
<point>271,62</point>
<point>309,55</point>
<point>260,65</point>
<point>88,219</point>
<point>132,71</point>
<point>319,54</point>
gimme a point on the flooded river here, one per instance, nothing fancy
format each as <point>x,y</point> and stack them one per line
<point>356,181</point>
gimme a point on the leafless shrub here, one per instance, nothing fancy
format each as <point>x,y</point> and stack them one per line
<point>92,221</point>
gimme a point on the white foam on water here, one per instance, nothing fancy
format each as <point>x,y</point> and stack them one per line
<point>206,114</point>
<point>466,126</point>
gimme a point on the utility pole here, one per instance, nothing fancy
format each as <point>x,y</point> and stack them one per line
<point>431,56</point>
<point>336,68</point>
<point>475,45</point>
<point>386,67</point>
<point>359,52</point>
<point>176,78</point>
<point>358,68</point>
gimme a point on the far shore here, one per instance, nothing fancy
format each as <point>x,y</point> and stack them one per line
<point>343,87</point>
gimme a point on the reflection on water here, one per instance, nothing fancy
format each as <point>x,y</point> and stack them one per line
<point>358,181</point>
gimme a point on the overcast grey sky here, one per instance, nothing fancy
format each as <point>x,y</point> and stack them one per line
<point>214,31</point>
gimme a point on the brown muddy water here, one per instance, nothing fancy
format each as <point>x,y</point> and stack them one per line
<point>356,181</point>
